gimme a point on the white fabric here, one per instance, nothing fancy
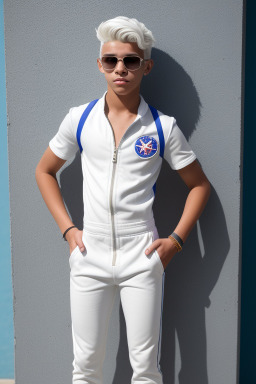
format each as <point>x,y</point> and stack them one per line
<point>116,240</point>
<point>133,194</point>
<point>139,280</point>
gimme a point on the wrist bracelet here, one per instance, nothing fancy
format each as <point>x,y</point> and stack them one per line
<point>64,234</point>
<point>180,241</point>
<point>176,243</point>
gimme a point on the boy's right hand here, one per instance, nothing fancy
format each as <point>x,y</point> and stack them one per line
<point>74,238</point>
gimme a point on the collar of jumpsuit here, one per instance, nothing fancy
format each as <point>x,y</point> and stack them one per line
<point>143,106</point>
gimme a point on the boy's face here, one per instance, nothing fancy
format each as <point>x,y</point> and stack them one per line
<point>133,78</point>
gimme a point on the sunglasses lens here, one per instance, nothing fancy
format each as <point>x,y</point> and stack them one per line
<point>132,62</point>
<point>109,62</point>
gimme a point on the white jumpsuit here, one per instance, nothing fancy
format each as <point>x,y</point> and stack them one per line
<point>119,186</point>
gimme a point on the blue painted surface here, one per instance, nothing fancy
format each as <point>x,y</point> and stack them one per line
<point>248,309</point>
<point>6,298</point>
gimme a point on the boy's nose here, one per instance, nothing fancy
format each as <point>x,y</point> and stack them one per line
<point>120,66</point>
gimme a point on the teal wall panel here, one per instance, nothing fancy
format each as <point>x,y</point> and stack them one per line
<point>6,300</point>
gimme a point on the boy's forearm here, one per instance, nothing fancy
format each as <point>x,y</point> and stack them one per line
<point>49,188</point>
<point>194,206</point>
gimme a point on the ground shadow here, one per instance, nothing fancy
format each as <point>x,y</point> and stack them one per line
<point>193,273</point>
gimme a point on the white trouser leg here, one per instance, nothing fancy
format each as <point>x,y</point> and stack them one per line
<point>142,296</point>
<point>91,301</point>
<point>142,308</point>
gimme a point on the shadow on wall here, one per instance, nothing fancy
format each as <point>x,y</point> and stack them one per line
<point>193,273</point>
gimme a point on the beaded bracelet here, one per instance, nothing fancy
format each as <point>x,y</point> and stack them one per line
<point>177,241</point>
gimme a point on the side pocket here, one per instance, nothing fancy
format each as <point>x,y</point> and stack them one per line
<point>155,236</point>
<point>73,252</point>
<point>159,260</point>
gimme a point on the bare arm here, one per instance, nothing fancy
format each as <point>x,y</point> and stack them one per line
<point>200,188</point>
<point>48,185</point>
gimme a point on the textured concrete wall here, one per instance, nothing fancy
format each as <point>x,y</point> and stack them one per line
<point>51,52</point>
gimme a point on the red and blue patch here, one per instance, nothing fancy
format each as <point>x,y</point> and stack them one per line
<point>146,146</point>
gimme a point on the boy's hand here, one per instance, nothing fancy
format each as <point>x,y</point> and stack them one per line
<point>74,238</point>
<point>165,248</point>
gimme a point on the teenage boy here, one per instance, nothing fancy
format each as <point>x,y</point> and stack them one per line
<point>122,141</point>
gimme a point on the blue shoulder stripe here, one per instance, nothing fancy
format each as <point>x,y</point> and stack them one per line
<point>159,129</point>
<point>82,121</point>
<point>160,134</point>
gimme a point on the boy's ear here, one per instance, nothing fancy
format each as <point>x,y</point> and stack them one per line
<point>100,66</point>
<point>148,67</point>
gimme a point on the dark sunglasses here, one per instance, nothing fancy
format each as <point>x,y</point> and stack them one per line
<point>131,63</point>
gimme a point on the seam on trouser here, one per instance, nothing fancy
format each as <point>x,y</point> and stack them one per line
<point>160,331</point>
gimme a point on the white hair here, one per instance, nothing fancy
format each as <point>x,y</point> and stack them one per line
<point>127,31</point>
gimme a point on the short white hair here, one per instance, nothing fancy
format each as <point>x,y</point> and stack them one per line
<point>127,31</point>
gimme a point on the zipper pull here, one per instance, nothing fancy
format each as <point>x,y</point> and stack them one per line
<point>114,156</point>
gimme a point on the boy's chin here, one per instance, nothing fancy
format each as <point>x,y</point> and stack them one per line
<point>123,91</point>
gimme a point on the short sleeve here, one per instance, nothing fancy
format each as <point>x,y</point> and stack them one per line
<point>64,143</point>
<point>178,152</point>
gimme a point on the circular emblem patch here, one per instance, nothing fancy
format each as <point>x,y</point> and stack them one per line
<point>146,146</point>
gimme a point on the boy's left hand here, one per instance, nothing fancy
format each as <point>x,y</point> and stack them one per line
<point>165,248</point>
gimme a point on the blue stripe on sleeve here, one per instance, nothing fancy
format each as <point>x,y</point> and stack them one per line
<point>82,121</point>
<point>159,129</point>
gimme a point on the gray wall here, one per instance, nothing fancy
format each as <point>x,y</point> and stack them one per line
<point>51,52</point>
